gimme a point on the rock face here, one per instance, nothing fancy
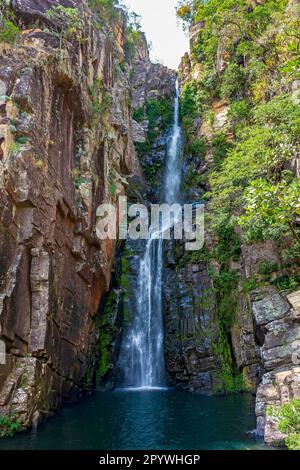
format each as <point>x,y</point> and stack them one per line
<point>279,331</point>
<point>66,147</point>
<point>190,327</point>
<point>150,81</point>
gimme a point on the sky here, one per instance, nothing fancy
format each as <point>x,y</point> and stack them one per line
<point>159,22</point>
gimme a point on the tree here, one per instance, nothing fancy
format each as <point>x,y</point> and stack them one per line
<point>272,208</point>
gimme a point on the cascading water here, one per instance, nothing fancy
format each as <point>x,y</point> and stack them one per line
<point>142,351</point>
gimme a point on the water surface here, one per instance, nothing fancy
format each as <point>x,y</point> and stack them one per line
<point>157,420</point>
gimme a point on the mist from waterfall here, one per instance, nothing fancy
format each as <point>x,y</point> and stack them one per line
<point>142,349</point>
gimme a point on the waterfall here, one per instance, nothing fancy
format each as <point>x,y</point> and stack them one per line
<point>142,350</point>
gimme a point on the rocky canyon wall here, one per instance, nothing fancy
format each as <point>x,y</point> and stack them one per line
<point>71,78</point>
<point>65,147</point>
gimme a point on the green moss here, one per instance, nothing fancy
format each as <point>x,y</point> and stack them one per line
<point>106,335</point>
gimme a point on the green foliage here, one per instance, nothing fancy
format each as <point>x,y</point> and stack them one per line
<point>188,102</point>
<point>133,38</point>
<point>159,114</point>
<point>226,380</point>
<point>260,152</point>
<point>249,284</point>
<point>247,55</point>
<point>192,102</point>
<point>266,268</point>
<point>194,257</point>
<point>139,114</point>
<point>233,81</point>
<point>287,417</point>
<point>79,180</point>
<point>22,140</point>
<point>69,19</point>
<point>14,149</point>
<point>287,282</point>
<point>159,110</point>
<point>220,147</point>
<point>105,8</point>
<point>239,111</point>
<point>228,247</point>
<point>9,30</point>
<point>196,148</point>
<point>9,425</point>
<point>151,171</point>
<point>271,209</point>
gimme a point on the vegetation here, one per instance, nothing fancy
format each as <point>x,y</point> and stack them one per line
<point>117,302</point>
<point>251,178</point>
<point>106,335</point>
<point>9,425</point>
<point>9,30</point>
<point>105,8</point>
<point>159,114</point>
<point>68,20</point>
<point>101,100</point>
<point>287,417</point>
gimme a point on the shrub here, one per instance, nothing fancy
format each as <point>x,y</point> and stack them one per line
<point>271,209</point>
<point>69,21</point>
<point>233,81</point>
<point>239,111</point>
<point>105,8</point>
<point>287,417</point>
<point>9,425</point>
<point>9,30</point>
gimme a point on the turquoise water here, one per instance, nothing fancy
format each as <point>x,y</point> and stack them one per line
<point>158,420</point>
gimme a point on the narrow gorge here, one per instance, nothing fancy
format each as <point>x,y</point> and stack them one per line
<point>151,345</point>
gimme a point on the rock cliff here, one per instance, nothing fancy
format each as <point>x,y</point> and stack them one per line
<point>69,85</point>
<point>66,147</point>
